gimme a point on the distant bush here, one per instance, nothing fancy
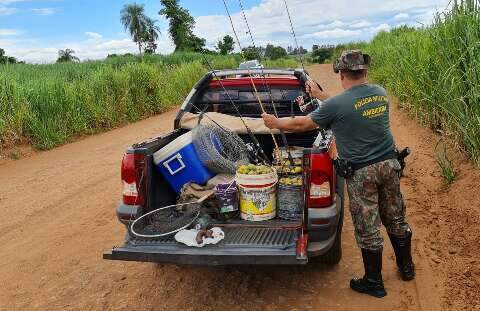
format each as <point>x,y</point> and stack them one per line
<point>51,104</point>
<point>321,55</point>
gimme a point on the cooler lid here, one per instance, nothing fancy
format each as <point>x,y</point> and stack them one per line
<point>174,146</point>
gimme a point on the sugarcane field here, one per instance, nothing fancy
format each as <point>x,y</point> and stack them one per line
<point>240,154</point>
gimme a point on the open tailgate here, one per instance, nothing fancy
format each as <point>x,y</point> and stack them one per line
<point>250,246</point>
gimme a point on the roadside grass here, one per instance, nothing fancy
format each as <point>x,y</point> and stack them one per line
<point>445,164</point>
<point>435,72</point>
<point>49,105</point>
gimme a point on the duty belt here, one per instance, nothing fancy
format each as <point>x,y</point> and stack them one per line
<point>388,156</point>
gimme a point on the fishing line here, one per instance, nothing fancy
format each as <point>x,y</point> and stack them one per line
<point>294,35</point>
<point>249,131</point>
<point>277,148</point>
<point>265,84</point>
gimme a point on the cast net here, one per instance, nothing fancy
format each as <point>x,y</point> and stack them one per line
<point>221,150</point>
<point>166,220</point>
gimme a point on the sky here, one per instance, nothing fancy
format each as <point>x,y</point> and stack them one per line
<point>34,30</point>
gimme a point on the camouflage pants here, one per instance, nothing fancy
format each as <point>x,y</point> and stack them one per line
<point>375,198</point>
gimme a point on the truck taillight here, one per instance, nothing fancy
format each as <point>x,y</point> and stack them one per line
<point>319,186</point>
<point>319,179</point>
<point>133,182</point>
<point>320,190</point>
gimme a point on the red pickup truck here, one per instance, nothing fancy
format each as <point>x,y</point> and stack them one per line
<point>315,237</point>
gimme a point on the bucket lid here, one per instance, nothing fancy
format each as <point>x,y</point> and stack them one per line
<point>177,144</point>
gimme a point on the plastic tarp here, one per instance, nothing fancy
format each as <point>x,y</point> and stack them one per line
<point>235,124</point>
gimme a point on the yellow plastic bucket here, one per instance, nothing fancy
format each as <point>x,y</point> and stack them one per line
<point>258,196</point>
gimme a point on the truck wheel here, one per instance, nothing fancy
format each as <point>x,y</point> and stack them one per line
<point>334,254</point>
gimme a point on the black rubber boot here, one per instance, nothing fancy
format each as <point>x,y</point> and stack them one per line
<point>402,247</point>
<point>372,283</point>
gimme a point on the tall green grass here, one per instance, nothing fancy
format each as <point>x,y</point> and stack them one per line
<point>49,105</point>
<point>435,72</point>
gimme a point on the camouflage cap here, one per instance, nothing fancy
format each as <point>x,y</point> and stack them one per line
<point>351,60</point>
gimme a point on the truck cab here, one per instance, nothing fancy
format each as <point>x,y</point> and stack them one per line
<point>314,237</point>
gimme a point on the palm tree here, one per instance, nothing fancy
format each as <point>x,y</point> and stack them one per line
<point>134,20</point>
<point>152,32</point>
<point>67,56</point>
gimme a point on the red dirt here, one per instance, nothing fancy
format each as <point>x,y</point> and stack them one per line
<point>59,205</point>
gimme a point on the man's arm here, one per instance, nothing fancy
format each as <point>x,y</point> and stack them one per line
<point>294,125</point>
<point>300,123</point>
<point>314,91</point>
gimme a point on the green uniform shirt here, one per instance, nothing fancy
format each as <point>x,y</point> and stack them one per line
<point>359,119</point>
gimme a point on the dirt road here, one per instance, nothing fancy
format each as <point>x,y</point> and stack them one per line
<point>58,216</point>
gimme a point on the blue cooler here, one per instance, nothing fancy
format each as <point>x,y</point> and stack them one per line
<point>179,164</point>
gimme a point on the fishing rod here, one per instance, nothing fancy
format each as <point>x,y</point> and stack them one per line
<point>277,148</point>
<point>296,43</point>
<point>294,35</point>
<point>265,84</point>
<point>249,131</point>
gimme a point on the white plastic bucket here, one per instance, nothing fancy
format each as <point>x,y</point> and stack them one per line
<point>258,196</point>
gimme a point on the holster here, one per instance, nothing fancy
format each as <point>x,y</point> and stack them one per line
<point>401,155</point>
<point>344,168</point>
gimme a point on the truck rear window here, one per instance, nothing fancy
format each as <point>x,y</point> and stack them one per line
<point>217,100</point>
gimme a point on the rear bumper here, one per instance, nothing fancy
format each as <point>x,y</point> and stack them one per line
<point>206,257</point>
<point>241,246</point>
<point>322,227</point>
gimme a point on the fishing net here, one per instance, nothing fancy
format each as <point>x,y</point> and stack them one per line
<point>221,150</point>
<point>166,220</point>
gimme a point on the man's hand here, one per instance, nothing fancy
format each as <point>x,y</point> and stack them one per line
<point>270,121</point>
<point>314,91</point>
<point>293,125</point>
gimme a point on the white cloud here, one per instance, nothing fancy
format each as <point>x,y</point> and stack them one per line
<point>44,11</point>
<point>4,11</point>
<point>10,32</point>
<point>401,16</point>
<point>336,33</point>
<point>334,24</point>
<point>381,27</point>
<point>85,50</point>
<point>93,35</point>
<point>344,20</point>
<point>360,24</point>
<point>4,2</point>
<point>316,22</point>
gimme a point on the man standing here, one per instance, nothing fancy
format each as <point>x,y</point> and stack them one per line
<point>359,119</point>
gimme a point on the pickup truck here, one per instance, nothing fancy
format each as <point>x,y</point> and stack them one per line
<point>316,237</point>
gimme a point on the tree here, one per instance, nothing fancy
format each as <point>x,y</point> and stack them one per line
<point>275,52</point>
<point>299,50</point>
<point>151,35</point>
<point>67,56</point>
<point>226,45</point>
<point>5,59</point>
<point>134,20</point>
<point>321,54</point>
<point>181,25</point>
<point>252,53</point>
